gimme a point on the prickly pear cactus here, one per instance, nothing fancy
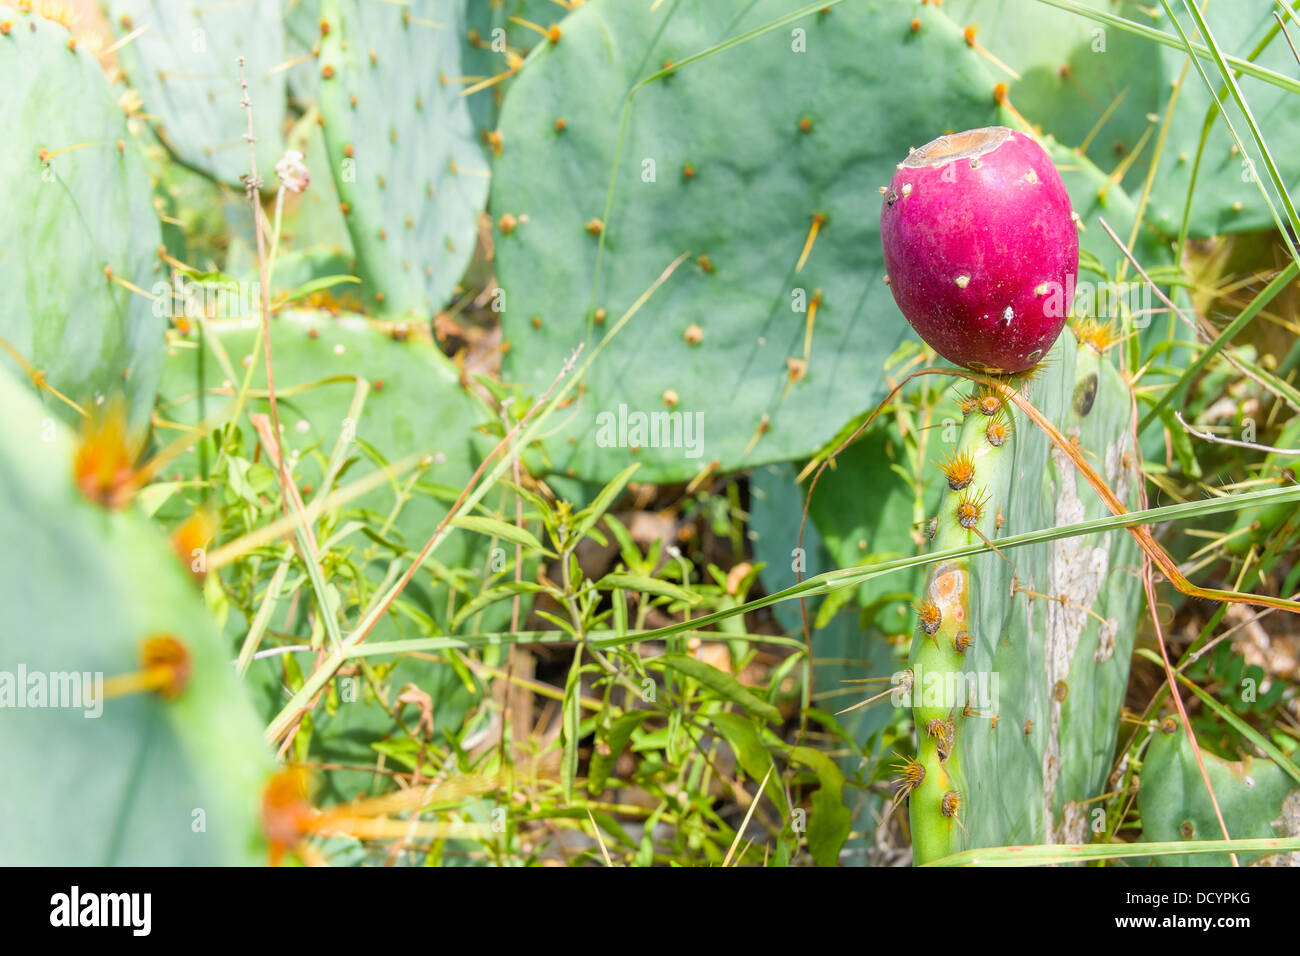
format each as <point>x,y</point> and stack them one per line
<point>1020,660</point>
<point>78,223</point>
<point>168,774</point>
<point>772,349</point>
<point>184,67</point>
<point>410,174</point>
<point>1257,798</point>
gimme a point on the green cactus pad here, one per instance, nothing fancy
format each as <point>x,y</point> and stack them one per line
<point>493,36</point>
<point>416,405</point>
<point>1060,667</point>
<point>1257,798</point>
<point>410,174</point>
<point>86,208</point>
<point>1085,81</point>
<point>781,141</point>
<point>1069,72</point>
<point>184,67</point>
<point>1226,198</point>
<point>149,781</point>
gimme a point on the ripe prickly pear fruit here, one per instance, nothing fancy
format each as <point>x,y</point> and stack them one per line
<point>981,249</point>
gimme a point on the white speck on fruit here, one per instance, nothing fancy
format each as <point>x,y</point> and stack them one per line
<point>1008,314</point>
<point>1034,356</point>
<point>975,164</point>
<point>886,279</point>
<point>1040,289</point>
<point>907,189</point>
<point>1031,177</point>
<point>962,281</point>
<point>883,190</point>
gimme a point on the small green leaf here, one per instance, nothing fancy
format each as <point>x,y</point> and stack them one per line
<point>491,596</point>
<point>754,758</point>
<point>493,527</point>
<point>319,284</point>
<point>830,820</point>
<point>722,684</point>
<point>608,495</point>
<point>209,278</point>
<point>627,548</point>
<point>615,739</point>
<point>637,582</point>
<point>831,605</point>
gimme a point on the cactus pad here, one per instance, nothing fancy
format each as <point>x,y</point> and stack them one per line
<point>1257,798</point>
<point>415,406</point>
<point>80,209</point>
<point>1039,638</point>
<point>184,67</point>
<point>410,175</point>
<point>781,150</point>
<point>153,779</point>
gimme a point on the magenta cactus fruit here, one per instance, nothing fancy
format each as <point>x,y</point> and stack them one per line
<point>981,249</point>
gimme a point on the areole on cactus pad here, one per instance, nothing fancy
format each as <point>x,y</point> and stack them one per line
<point>981,250</point>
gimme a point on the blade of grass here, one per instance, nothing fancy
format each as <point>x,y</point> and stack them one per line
<point>851,577</point>
<point>1280,80</point>
<point>1220,61</point>
<point>1036,855</point>
<point>1257,305</point>
<point>748,815</point>
<point>264,612</point>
